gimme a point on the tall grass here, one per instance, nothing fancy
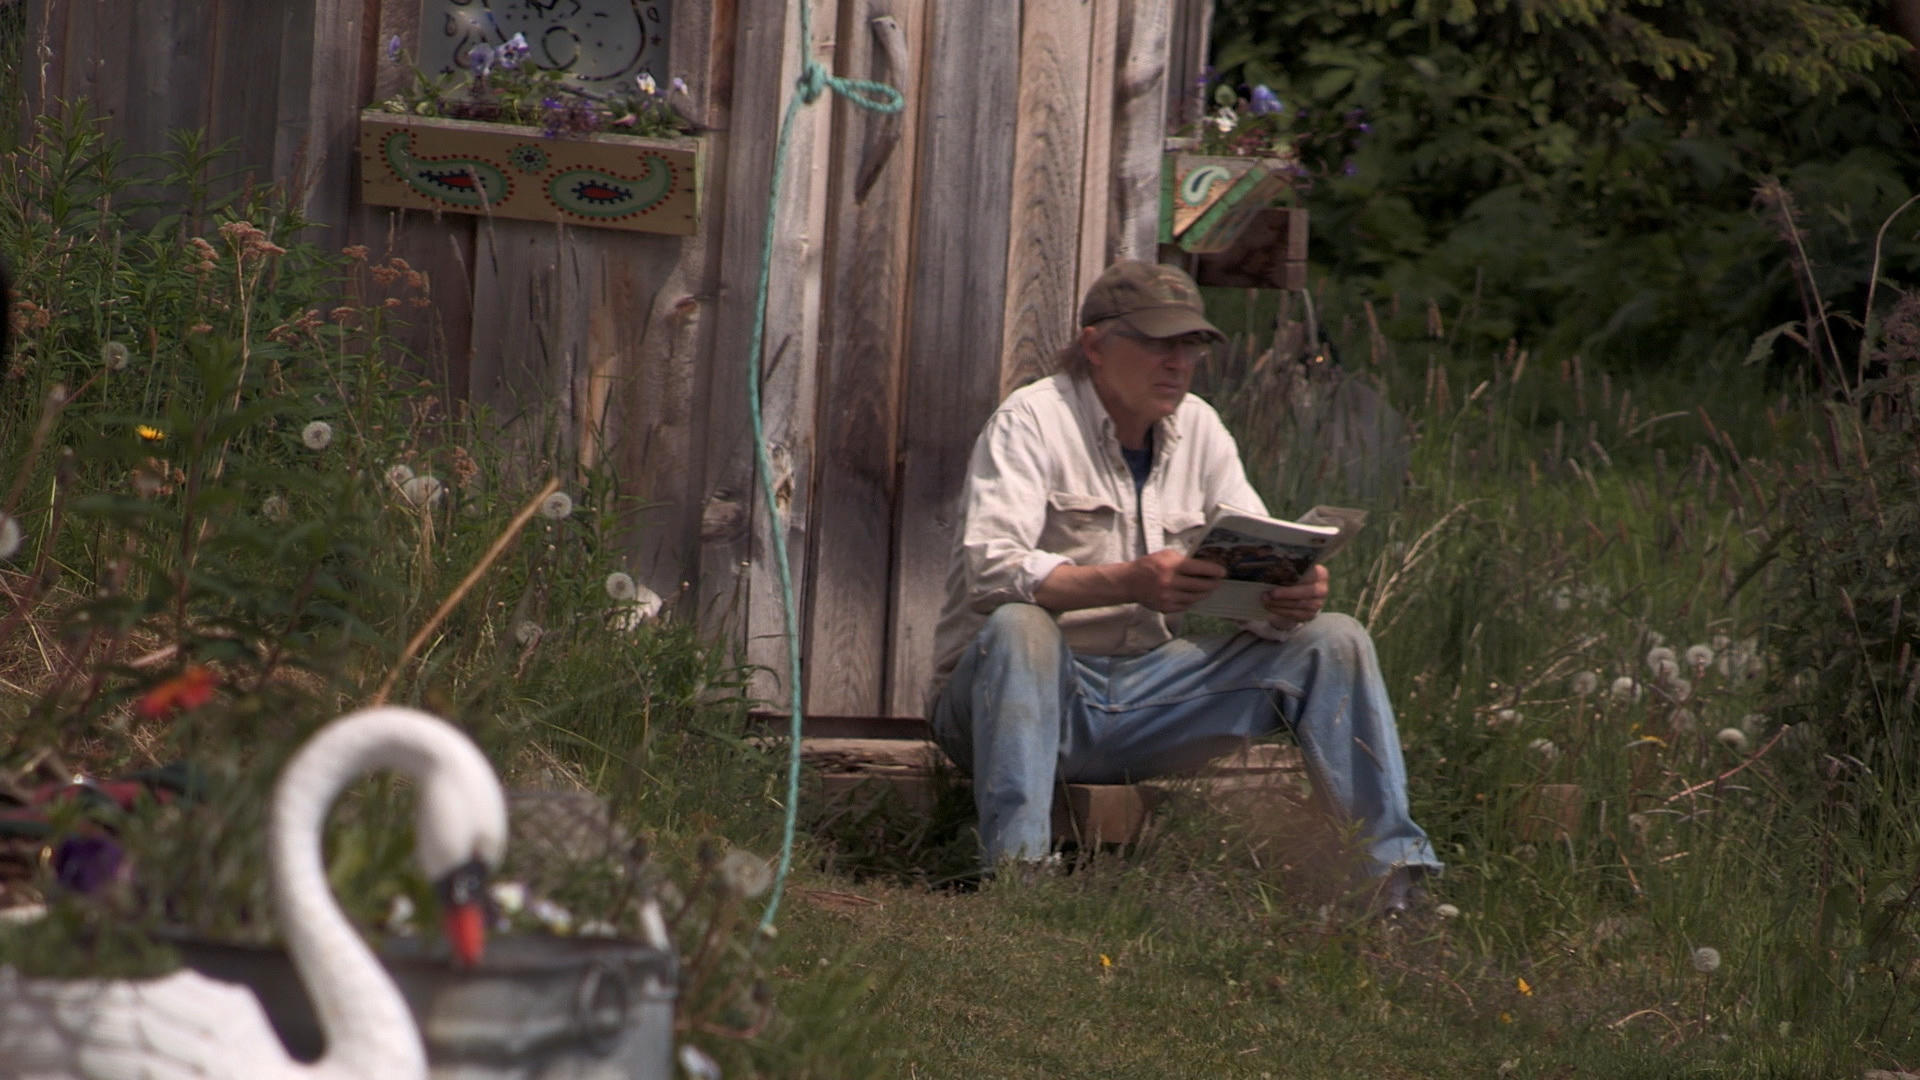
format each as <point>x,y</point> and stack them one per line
<point>1636,724</point>
<point>233,510</point>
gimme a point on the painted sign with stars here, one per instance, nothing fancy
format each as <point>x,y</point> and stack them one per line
<point>595,43</point>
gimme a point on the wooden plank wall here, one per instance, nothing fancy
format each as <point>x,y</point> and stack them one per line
<point>869,238</point>
<point>1139,127</point>
<point>1187,41</point>
<point>738,590</point>
<point>153,69</point>
<point>956,309</point>
<point>923,267</point>
<point>1049,155</point>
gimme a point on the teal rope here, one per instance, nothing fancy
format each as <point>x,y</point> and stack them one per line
<point>877,97</point>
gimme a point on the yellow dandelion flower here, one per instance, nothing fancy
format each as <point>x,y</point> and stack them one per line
<point>1506,1018</point>
<point>1106,961</point>
<point>1525,988</point>
<point>149,433</point>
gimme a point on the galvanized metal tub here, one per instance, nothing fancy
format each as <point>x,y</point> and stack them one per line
<point>536,1008</point>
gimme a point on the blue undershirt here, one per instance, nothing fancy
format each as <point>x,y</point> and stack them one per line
<point>1140,463</point>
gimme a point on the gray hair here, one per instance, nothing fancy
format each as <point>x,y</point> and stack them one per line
<point>1072,358</point>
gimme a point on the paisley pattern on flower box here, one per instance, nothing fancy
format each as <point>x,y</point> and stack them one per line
<point>464,166</point>
<point>603,195</point>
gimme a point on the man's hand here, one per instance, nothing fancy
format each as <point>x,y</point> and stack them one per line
<point>1290,605</point>
<point>1169,582</point>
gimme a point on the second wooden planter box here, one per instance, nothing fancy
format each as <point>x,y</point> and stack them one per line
<point>1206,201</point>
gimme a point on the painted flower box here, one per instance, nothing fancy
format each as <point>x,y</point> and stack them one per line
<point>1207,201</point>
<point>605,180</point>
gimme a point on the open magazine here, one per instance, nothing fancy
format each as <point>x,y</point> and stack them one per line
<point>1260,552</point>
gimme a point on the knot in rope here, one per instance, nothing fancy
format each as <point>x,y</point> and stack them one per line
<point>867,94</point>
<point>813,82</point>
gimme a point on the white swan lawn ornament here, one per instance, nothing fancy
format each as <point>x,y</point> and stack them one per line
<point>184,1025</point>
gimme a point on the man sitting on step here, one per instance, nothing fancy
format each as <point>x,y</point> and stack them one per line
<point>1057,658</point>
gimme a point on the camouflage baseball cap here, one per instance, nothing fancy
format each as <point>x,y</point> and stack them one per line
<point>1155,300</point>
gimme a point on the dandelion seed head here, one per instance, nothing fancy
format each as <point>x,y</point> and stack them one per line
<point>1640,825</point>
<point>653,925</point>
<point>635,612</point>
<point>1683,722</point>
<point>510,897</point>
<point>1545,748</point>
<point>1624,688</point>
<point>10,537</point>
<point>1447,911</point>
<point>744,874</point>
<point>527,633</point>
<point>1699,656</point>
<point>1584,683</point>
<point>556,506</point>
<point>423,491</point>
<point>1561,598</point>
<point>275,509</point>
<point>1753,724</point>
<point>1733,739</point>
<point>551,915</point>
<point>1706,959</point>
<point>400,916</point>
<point>399,474</point>
<point>114,356</point>
<point>620,586</point>
<point>696,1064</point>
<point>317,435</point>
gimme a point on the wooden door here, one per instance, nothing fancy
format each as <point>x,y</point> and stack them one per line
<point>1027,159</point>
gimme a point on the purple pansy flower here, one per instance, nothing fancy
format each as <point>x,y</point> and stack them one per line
<point>88,864</point>
<point>1265,102</point>
<point>393,47</point>
<point>480,59</point>
<point>509,53</point>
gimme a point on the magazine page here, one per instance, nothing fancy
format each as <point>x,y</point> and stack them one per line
<point>1260,552</point>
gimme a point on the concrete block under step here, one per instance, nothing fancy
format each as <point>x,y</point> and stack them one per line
<point>859,772</point>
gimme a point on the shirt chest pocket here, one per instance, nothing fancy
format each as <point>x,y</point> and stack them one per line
<point>1084,528</point>
<point>1184,529</point>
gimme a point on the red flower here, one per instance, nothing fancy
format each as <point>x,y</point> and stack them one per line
<point>190,689</point>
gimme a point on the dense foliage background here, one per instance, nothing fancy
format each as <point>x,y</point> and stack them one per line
<point>1581,174</point>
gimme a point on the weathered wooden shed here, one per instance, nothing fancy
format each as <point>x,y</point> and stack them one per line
<point>924,263</point>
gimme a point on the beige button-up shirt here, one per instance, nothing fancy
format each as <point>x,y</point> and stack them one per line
<point>1046,486</point>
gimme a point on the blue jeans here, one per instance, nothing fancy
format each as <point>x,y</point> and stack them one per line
<point>1022,712</point>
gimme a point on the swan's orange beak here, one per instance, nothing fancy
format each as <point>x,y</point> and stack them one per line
<point>466,928</point>
<point>463,908</point>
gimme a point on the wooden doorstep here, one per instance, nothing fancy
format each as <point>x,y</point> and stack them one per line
<point>864,771</point>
